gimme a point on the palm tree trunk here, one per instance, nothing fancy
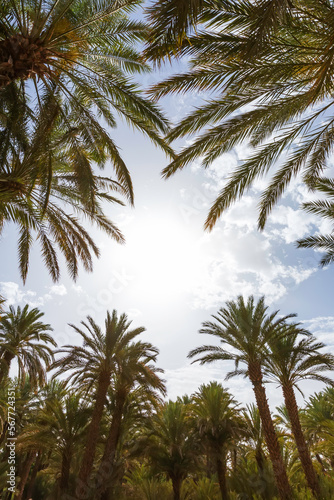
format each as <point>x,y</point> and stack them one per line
<point>304,453</point>
<point>65,471</point>
<point>7,358</point>
<point>176,482</point>
<point>93,434</point>
<point>281,478</point>
<point>25,473</point>
<point>35,470</point>
<point>109,453</point>
<point>221,472</point>
<point>259,457</point>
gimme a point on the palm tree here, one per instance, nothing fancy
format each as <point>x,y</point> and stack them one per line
<point>65,71</point>
<point>60,425</point>
<point>83,49</point>
<point>247,328</point>
<point>255,435</point>
<point>172,21</point>
<point>219,423</point>
<point>92,366</point>
<point>268,68</point>
<point>324,208</point>
<point>291,360</point>
<point>317,420</point>
<point>133,367</point>
<point>23,337</point>
<point>170,444</point>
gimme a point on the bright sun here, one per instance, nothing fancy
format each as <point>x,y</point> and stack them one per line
<point>163,254</point>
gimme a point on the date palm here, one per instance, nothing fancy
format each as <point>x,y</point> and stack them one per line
<point>66,74</point>
<point>246,328</point>
<point>172,21</point>
<point>325,209</point>
<point>291,360</point>
<point>25,338</point>
<point>219,423</point>
<point>255,435</point>
<point>317,420</point>
<point>92,365</point>
<point>171,445</point>
<point>50,206</point>
<point>277,96</point>
<point>86,50</point>
<point>134,367</point>
<point>60,426</point>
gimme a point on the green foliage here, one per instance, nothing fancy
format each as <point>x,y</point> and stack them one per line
<point>267,67</point>
<point>66,74</point>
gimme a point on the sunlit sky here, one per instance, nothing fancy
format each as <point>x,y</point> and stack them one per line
<point>171,275</point>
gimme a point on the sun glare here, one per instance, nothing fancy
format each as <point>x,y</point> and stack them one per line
<point>163,256</point>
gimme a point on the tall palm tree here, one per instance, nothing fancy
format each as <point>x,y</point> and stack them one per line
<point>247,328</point>
<point>291,360</point>
<point>134,367</point>
<point>171,444</point>
<point>92,366</point>
<point>268,67</point>
<point>24,337</point>
<point>65,71</point>
<point>218,419</point>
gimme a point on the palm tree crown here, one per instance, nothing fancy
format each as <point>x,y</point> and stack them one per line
<point>269,67</point>
<point>65,76</point>
<point>24,337</point>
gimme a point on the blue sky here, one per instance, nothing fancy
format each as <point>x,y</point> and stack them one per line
<point>171,275</point>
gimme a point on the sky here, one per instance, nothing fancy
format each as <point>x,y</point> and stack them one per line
<point>170,276</point>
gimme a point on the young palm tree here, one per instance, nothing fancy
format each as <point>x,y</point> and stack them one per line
<point>291,360</point>
<point>219,423</point>
<point>255,435</point>
<point>23,337</point>
<point>171,445</point>
<point>247,328</point>
<point>318,422</point>
<point>133,367</point>
<point>60,426</point>
<point>275,93</point>
<point>92,366</point>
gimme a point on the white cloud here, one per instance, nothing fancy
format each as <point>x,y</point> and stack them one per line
<point>58,290</point>
<point>188,378</point>
<point>236,261</point>
<point>14,294</point>
<point>323,328</point>
<point>11,292</point>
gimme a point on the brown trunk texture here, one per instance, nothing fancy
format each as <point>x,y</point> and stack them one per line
<point>221,472</point>
<point>8,358</point>
<point>281,478</point>
<point>65,471</point>
<point>303,451</point>
<point>93,434</point>
<point>177,482</point>
<point>107,462</point>
<point>36,468</point>
<point>24,474</point>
